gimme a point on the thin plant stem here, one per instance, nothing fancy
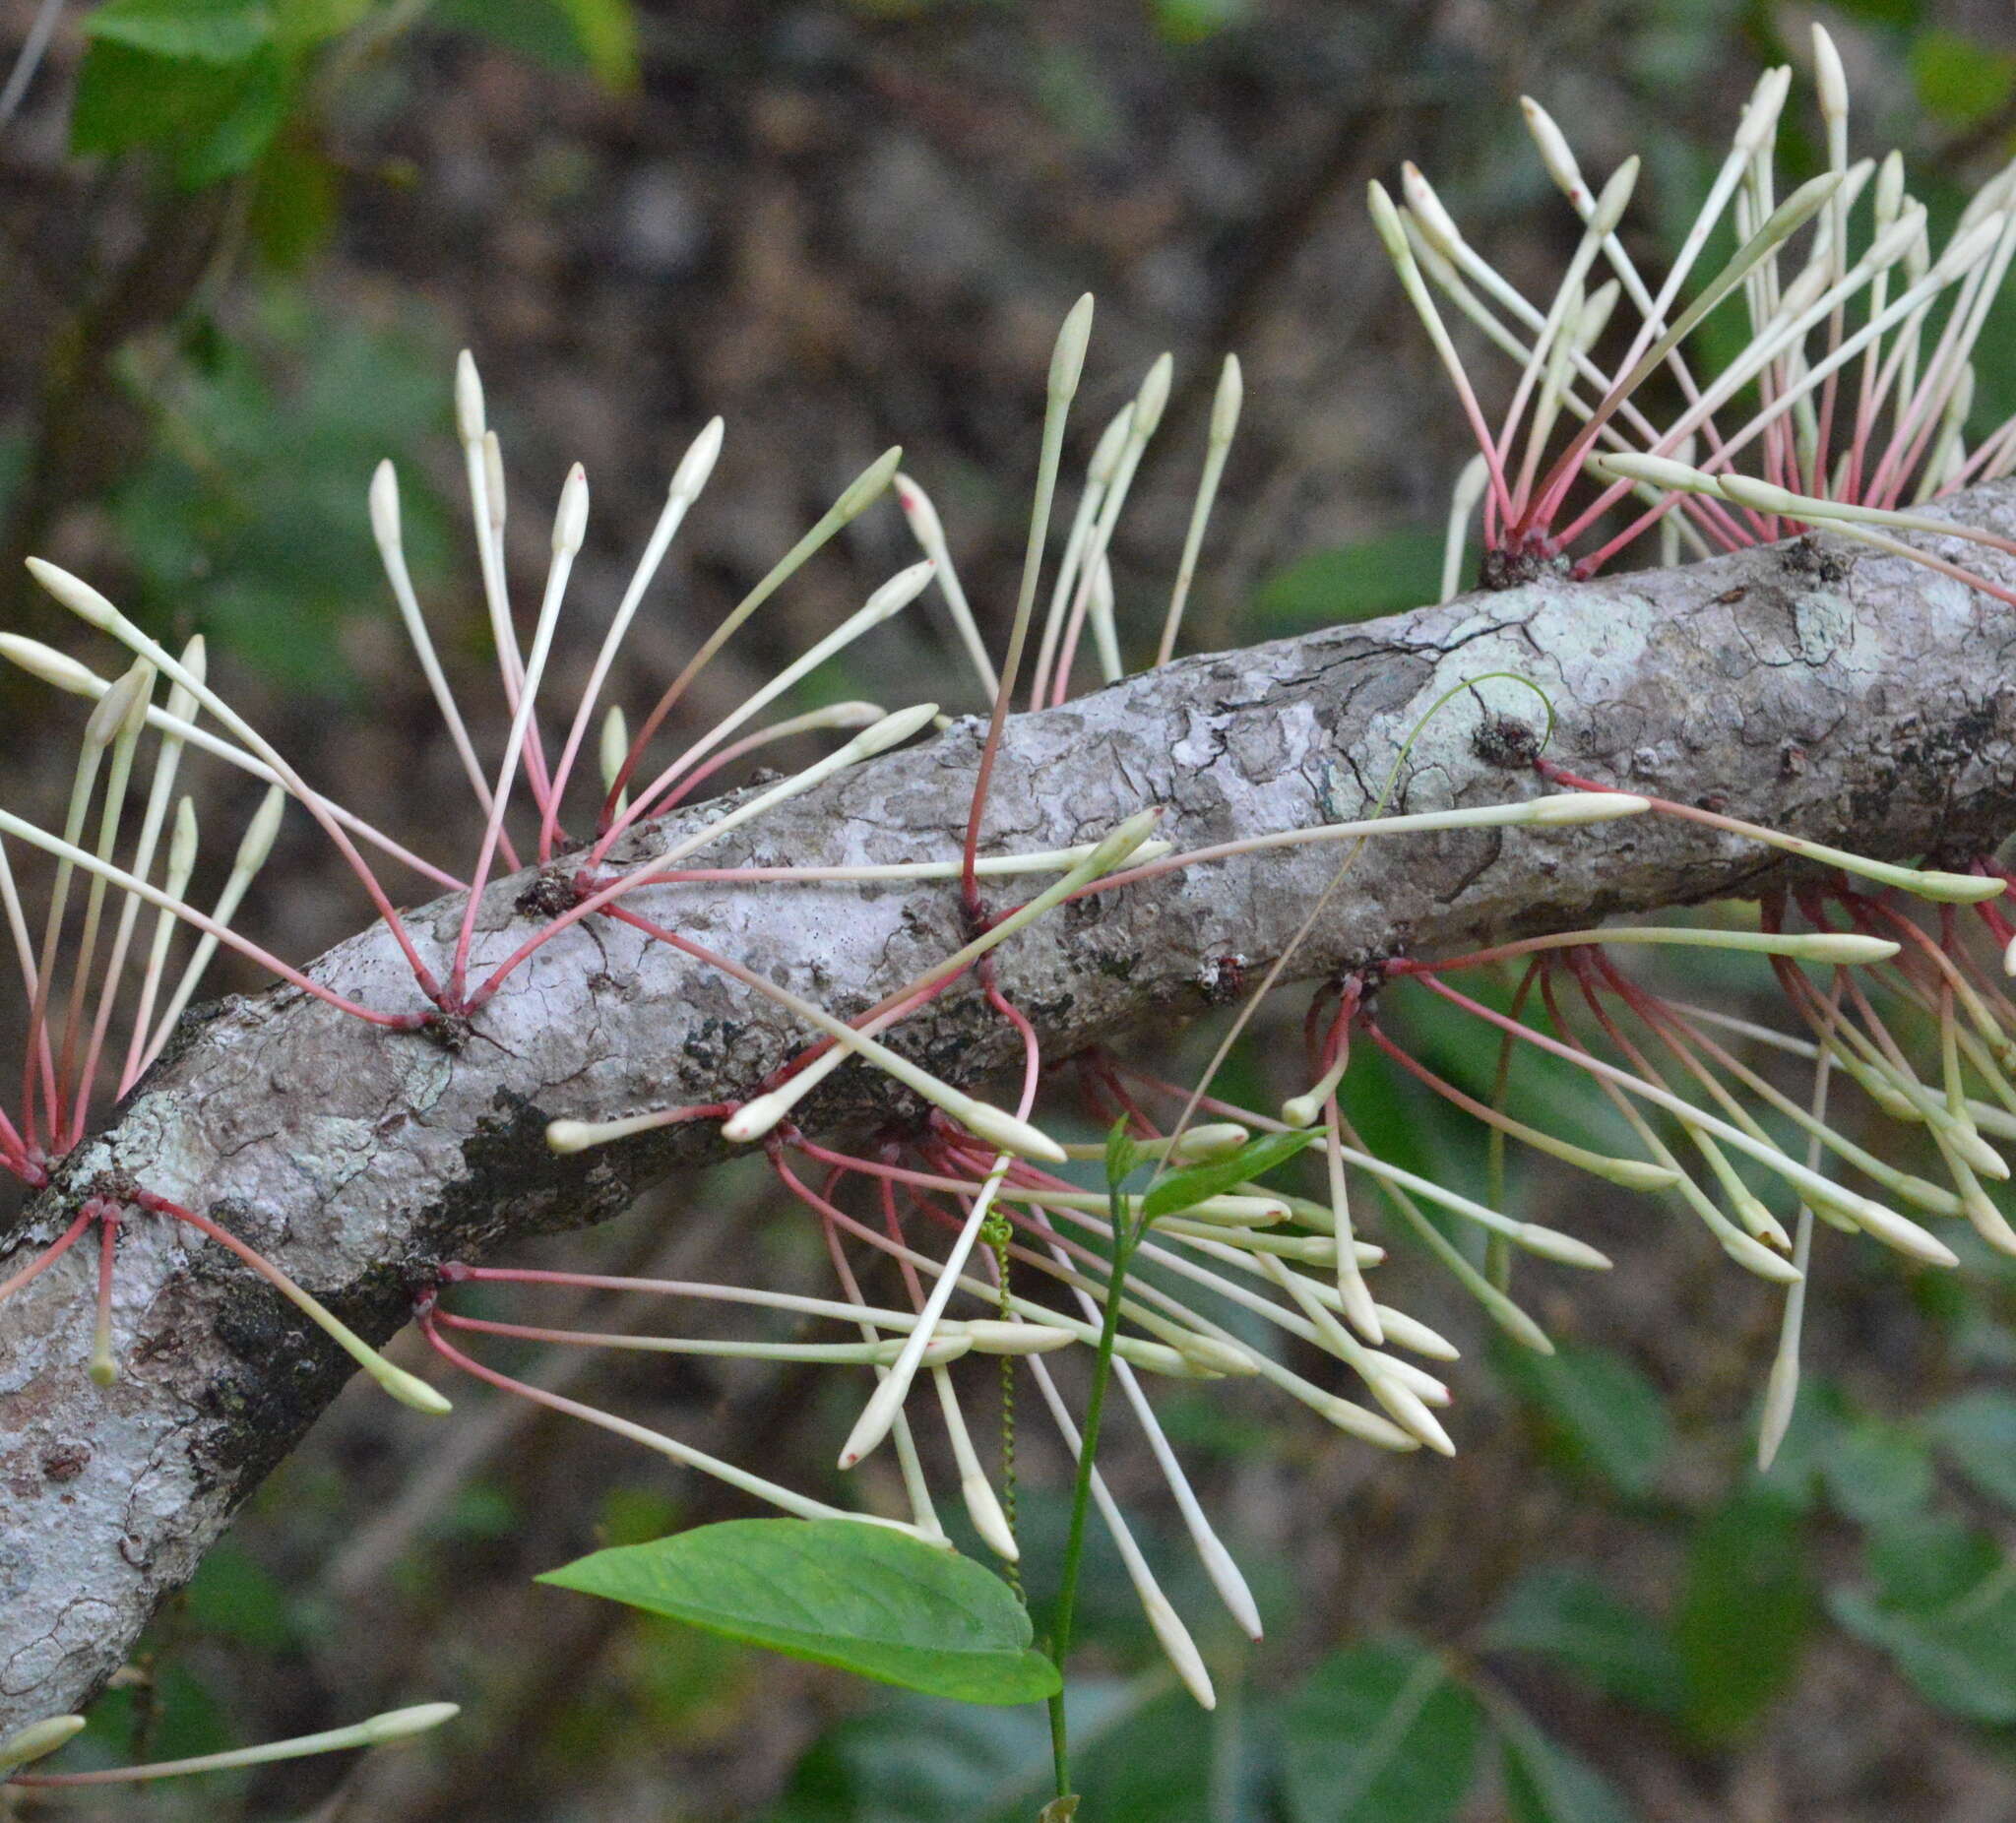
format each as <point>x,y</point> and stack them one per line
<point>1125,1236</point>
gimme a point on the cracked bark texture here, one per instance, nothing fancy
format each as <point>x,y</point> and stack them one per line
<point>1845,695</point>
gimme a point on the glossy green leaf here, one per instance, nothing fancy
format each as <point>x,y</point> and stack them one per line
<point>1545,1783</point>
<point>1977,1433</point>
<point>205,31</point>
<point>1561,1613</point>
<point>837,1591</point>
<point>1180,1190</point>
<point>1604,1413</point>
<point>1746,1608</point>
<point>1379,1733</point>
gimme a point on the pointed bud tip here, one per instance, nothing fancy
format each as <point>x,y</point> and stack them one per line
<point>384,499</point>
<point>54,667</point>
<point>697,464</point>
<point>468,399</point>
<point>869,486</point>
<point>570,521</point>
<point>1067,358</point>
<point>37,1739</point>
<point>892,731</point>
<point>1828,76</point>
<point>78,596</point>
<point>1229,401</point>
<point>398,1724</point>
<point>1154,397</point>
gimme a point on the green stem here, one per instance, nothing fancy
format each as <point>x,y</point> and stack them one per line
<point>1125,1239</point>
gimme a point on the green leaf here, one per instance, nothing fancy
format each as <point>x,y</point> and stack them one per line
<point>1122,1155</point>
<point>599,36</point>
<point>1876,1472</point>
<point>1928,1560</point>
<point>239,139</point>
<point>910,1759</point>
<point>1894,12</point>
<point>304,23</point>
<point>606,31</point>
<point>1380,574</point>
<point>1191,22</point>
<point>206,31</point>
<point>1962,1658</point>
<point>1544,1783</point>
<point>1183,1189</point>
<point>1606,1415</point>
<point>837,1592</point>
<point>1563,1613</point>
<point>127,98</point>
<point>246,518</point>
<point>295,203</point>
<point>1379,1733</point>
<point>1745,1606</point>
<point>1959,79</point>
<point>1977,1430</point>
<point>214,119</point>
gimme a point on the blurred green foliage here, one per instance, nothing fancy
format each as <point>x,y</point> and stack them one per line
<point>209,85</point>
<point>261,539</point>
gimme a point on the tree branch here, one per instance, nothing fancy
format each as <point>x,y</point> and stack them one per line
<point>1859,699</point>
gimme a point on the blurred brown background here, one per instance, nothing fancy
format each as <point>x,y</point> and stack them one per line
<point>841,226</point>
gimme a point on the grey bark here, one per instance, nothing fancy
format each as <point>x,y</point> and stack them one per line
<point>1857,698</point>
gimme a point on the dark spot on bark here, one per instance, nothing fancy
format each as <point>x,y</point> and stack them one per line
<point>115,1187</point>
<point>1222,979</point>
<point>451,1031</point>
<point>1513,569</point>
<point>1505,741</point>
<point>1806,556</point>
<point>66,1462</point>
<point>708,1047</point>
<point>549,893</point>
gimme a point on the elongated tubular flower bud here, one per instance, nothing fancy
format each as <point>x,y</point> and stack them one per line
<point>377,1731</point>
<point>95,611</point>
<point>1555,155</point>
<point>65,673</point>
<point>930,536</point>
<point>855,499</point>
<point>879,736</point>
<point>1170,1632</point>
<point>37,1739</point>
<point>1838,948</point>
<point>1761,111</point>
<point>888,600</point>
<point>1224,419</point>
<point>691,476</point>
<point>761,1113</point>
